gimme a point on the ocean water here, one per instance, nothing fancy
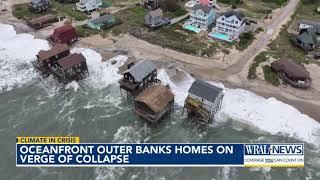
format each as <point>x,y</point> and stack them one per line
<point>95,110</point>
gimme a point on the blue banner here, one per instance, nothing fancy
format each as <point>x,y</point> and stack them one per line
<point>78,154</point>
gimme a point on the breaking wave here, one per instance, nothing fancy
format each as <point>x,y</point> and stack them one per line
<point>16,52</point>
<point>102,74</point>
<point>268,115</point>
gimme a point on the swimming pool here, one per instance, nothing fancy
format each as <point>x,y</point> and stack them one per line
<point>192,28</point>
<point>220,36</point>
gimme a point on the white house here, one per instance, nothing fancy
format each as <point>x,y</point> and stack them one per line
<point>204,99</point>
<point>306,24</point>
<point>229,26</point>
<point>88,5</point>
<point>201,17</point>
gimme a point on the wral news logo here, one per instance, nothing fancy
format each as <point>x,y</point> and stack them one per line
<point>273,149</point>
<point>274,155</point>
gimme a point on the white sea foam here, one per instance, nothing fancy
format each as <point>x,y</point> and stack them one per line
<point>16,52</point>
<point>72,85</point>
<point>102,74</point>
<point>269,115</point>
<point>180,90</point>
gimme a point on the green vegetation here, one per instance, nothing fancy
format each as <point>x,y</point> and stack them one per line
<point>177,13</point>
<point>270,76</point>
<point>63,9</point>
<point>85,31</point>
<point>174,37</point>
<point>245,40</point>
<point>262,57</point>
<point>132,18</point>
<point>255,8</point>
<point>68,9</point>
<point>22,10</point>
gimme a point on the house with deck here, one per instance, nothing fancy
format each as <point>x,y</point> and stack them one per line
<point>201,17</point>
<point>88,5</point>
<point>229,26</point>
<point>46,59</point>
<point>204,101</point>
<point>70,68</point>
<point>154,103</point>
<point>138,76</point>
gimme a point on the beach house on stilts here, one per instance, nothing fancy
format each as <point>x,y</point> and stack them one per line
<point>46,59</point>
<point>138,76</point>
<point>204,101</point>
<point>154,103</point>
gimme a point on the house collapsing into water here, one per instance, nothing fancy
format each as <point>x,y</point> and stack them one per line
<point>204,100</point>
<point>154,102</point>
<point>138,76</point>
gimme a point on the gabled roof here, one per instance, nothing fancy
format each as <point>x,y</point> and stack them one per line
<point>55,50</point>
<point>157,12</point>
<point>71,60</point>
<point>308,36</point>
<point>230,13</point>
<point>141,70</point>
<point>205,8</point>
<point>205,90</point>
<point>156,97</point>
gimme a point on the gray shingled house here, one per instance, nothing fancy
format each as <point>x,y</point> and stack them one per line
<point>204,100</point>
<point>39,5</point>
<point>138,76</point>
<point>307,39</point>
<point>154,18</point>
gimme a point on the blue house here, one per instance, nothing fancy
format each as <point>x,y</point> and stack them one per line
<point>201,17</point>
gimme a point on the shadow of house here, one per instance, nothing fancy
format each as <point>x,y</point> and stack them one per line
<point>204,101</point>
<point>154,103</point>
<point>292,73</point>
